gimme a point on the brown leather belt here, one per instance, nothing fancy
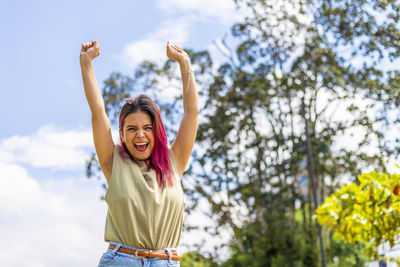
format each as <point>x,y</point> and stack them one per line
<point>147,254</point>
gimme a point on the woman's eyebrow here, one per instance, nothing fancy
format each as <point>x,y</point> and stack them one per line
<point>134,125</point>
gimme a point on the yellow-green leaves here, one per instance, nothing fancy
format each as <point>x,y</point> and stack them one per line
<point>368,212</point>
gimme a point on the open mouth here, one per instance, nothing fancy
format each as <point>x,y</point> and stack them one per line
<point>141,147</point>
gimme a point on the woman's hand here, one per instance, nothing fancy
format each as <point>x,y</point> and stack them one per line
<point>176,53</point>
<point>89,51</point>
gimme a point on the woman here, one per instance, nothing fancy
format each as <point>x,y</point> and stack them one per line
<point>144,195</point>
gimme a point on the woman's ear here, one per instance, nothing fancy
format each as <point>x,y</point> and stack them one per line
<point>121,133</point>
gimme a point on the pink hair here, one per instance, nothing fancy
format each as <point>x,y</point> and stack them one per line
<point>159,159</point>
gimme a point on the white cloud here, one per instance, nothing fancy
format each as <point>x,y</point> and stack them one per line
<point>181,17</point>
<point>57,223</point>
<point>221,10</point>
<point>153,46</point>
<point>49,147</point>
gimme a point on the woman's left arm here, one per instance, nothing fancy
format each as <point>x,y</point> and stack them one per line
<point>184,141</point>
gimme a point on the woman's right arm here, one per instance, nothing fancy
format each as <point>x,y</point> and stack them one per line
<point>102,137</point>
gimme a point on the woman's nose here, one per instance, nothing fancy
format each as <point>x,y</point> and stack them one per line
<point>141,133</point>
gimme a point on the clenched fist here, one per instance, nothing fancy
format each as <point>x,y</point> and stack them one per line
<point>90,50</point>
<point>176,53</point>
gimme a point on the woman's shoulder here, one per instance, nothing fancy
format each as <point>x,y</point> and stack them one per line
<point>120,155</point>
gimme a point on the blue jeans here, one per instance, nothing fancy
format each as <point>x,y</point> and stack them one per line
<point>114,258</point>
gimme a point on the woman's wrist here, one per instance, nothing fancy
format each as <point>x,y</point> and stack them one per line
<point>85,61</point>
<point>185,65</point>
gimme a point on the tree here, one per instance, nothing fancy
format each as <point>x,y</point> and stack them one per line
<point>249,162</point>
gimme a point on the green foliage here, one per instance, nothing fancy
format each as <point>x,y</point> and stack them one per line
<point>367,212</point>
<point>341,254</point>
<point>194,259</point>
<point>280,246</point>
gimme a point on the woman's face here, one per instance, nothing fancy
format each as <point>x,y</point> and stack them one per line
<point>137,135</point>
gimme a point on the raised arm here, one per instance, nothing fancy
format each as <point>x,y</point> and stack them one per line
<point>184,141</point>
<point>100,124</point>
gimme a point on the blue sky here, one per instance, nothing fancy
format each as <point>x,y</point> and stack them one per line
<point>48,208</point>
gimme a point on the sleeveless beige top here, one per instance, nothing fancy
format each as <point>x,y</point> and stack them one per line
<point>140,213</point>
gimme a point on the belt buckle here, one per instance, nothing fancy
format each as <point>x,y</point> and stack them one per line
<point>137,256</point>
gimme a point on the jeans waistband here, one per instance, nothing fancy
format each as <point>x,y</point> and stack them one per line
<point>120,245</point>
